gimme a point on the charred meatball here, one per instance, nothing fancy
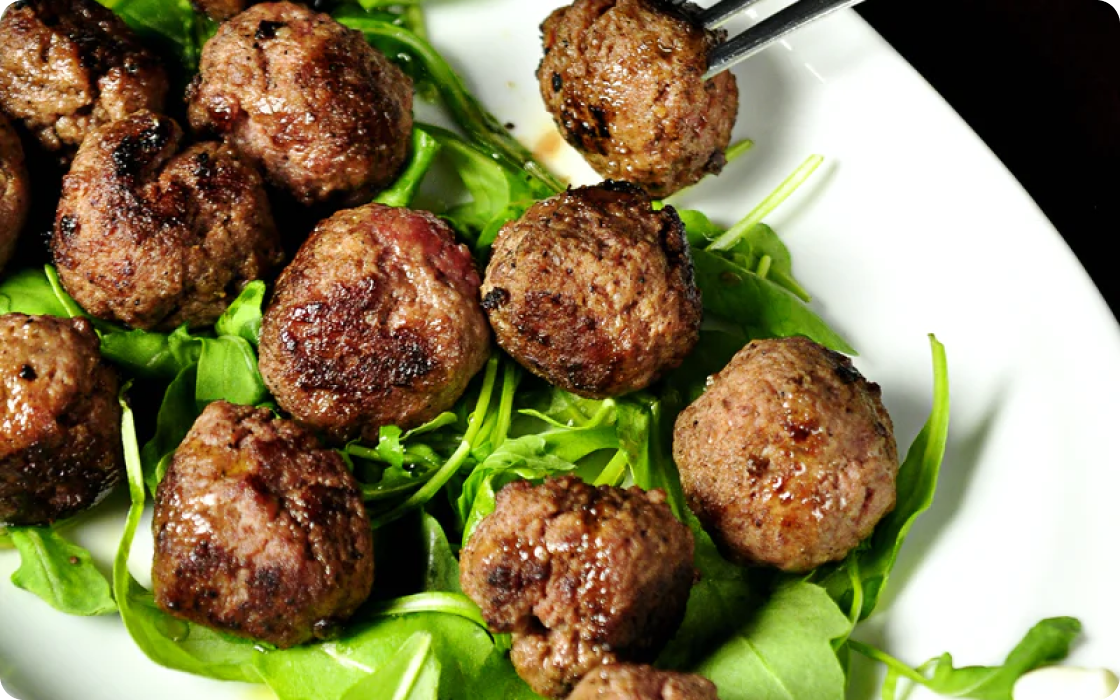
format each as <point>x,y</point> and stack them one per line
<point>70,66</point>
<point>624,82</point>
<point>632,682</point>
<point>593,290</point>
<point>307,99</point>
<point>154,237</point>
<point>259,531</point>
<point>581,576</point>
<point>60,422</point>
<point>789,457</point>
<point>375,322</point>
<point>14,195</point>
<point>221,10</point>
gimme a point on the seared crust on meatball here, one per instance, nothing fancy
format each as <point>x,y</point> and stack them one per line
<point>789,457</point>
<point>319,110</point>
<point>221,10</point>
<point>581,576</point>
<point>156,238</point>
<point>375,322</point>
<point>259,531</point>
<point>60,422</point>
<point>633,682</point>
<point>594,291</point>
<point>623,80</point>
<point>14,195</point>
<point>69,66</point>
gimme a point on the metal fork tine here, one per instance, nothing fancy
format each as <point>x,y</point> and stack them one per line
<point>770,30</point>
<point>722,11</point>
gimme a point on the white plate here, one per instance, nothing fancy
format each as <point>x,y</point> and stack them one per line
<point>914,227</point>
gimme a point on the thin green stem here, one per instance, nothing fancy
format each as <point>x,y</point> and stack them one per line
<point>613,473</point>
<point>885,658</point>
<point>768,205</point>
<point>438,602</point>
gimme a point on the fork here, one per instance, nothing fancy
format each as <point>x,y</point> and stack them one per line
<point>744,45</point>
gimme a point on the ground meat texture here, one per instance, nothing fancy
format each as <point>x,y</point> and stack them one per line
<point>70,66</point>
<point>375,322</point>
<point>60,422</point>
<point>259,531</point>
<point>633,682</point>
<point>623,80</point>
<point>325,115</point>
<point>154,237</point>
<point>789,457</point>
<point>594,291</point>
<point>14,195</point>
<point>581,576</point>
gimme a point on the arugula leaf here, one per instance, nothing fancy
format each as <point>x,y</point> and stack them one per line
<point>30,292</point>
<point>1046,643</point>
<point>783,651</point>
<point>227,370</point>
<point>411,674</point>
<point>152,355</point>
<point>243,317</point>
<point>442,570</point>
<point>177,414</point>
<point>172,23</point>
<point>61,573</point>
<point>915,484</point>
<point>762,308</point>
<point>424,150</point>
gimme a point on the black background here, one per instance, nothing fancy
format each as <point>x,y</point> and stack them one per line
<point>1039,81</point>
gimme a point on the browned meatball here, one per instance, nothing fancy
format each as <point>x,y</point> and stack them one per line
<point>632,682</point>
<point>623,80</point>
<point>70,66</point>
<point>307,99</point>
<point>789,457</point>
<point>581,576</point>
<point>221,10</point>
<point>375,322</point>
<point>156,238</point>
<point>259,531</point>
<point>60,422</point>
<point>14,195</point>
<point>593,290</point>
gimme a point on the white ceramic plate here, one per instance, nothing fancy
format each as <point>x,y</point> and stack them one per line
<point>913,227</point>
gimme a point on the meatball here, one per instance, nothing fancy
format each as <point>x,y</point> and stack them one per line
<point>631,682</point>
<point>14,195</point>
<point>156,238</point>
<point>319,110</point>
<point>375,322</point>
<point>593,290</point>
<point>581,576</point>
<point>221,10</point>
<point>624,81</point>
<point>789,457</point>
<point>70,66</point>
<point>60,422</point>
<point>259,531</point>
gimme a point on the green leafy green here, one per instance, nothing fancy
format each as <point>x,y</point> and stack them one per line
<point>227,370</point>
<point>177,414</point>
<point>243,317</point>
<point>411,674</point>
<point>30,292</point>
<point>171,23</point>
<point>61,573</point>
<point>424,150</point>
<point>1046,643</point>
<point>916,483</point>
<point>783,651</point>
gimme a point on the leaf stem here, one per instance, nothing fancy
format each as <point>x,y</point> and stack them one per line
<point>768,205</point>
<point>885,658</point>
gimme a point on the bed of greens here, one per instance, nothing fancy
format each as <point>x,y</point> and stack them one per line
<point>756,633</point>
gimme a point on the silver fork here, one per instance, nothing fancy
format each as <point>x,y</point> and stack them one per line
<point>744,45</point>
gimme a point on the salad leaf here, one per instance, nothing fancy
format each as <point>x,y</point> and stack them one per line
<point>1046,643</point>
<point>916,483</point>
<point>757,305</point>
<point>152,355</point>
<point>59,572</point>
<point>177,414</point>
<point>227,370</point>
<point>424,150</point>
<point>411,674</point>
<point>783,651</point>
<point>243,317</point>
<point>172,23</point>
<point>30,292</point>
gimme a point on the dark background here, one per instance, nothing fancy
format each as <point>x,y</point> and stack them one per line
<point>1039,81</point>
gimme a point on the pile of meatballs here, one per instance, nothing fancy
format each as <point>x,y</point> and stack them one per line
<point>382,318</point>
